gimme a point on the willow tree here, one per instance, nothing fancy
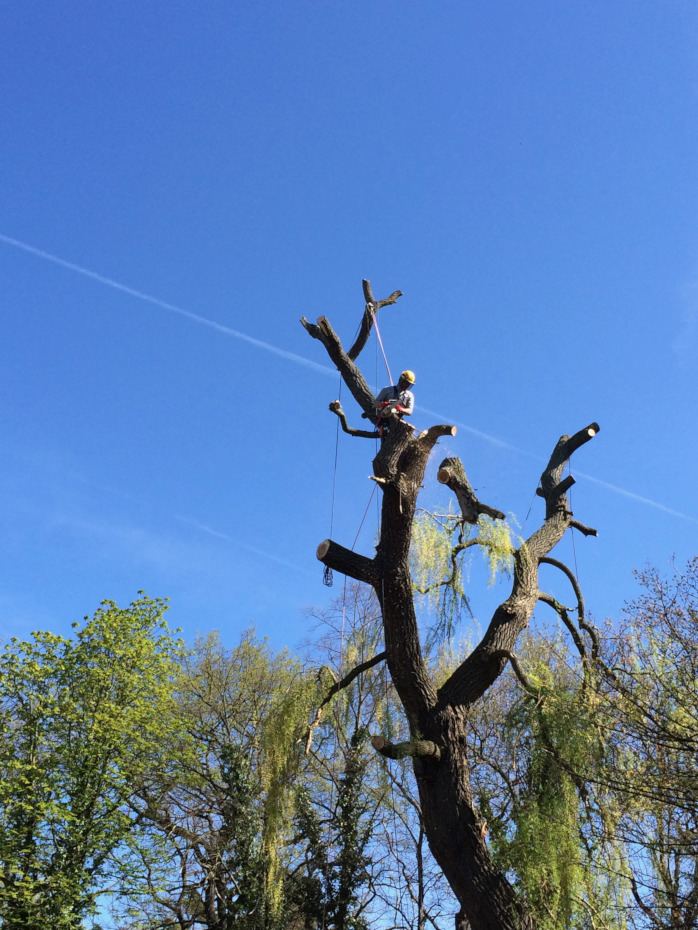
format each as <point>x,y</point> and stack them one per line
<point>436,716</point>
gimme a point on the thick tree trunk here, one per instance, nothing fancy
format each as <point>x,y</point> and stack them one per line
<point>437,717</point>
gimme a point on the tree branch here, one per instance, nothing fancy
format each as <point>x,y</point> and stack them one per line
<point>486,662</point>
<point>581,610</point>
<point>452,474</point>
<point>585,530</point>
<point>336,408</point>
<point>422,748</point>
<point>429,437</point>
<point>372,307</point>
<point>518,671</point>
<point>561,611</point>
<point>347,562</point>
<point>553,488</point>
<point>340,686</point>
<point>353,378</point>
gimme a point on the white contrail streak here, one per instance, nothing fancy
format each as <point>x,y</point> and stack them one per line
<point>306,362</point>
<point>495,441</point>
<point>217,534</point>
<point>172,308</point>
<point>635,497</point>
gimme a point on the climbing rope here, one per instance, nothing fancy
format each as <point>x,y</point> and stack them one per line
<point>364,517</point>
<point>327,575</point>
<point>380,341</point>
<point>574,547</point>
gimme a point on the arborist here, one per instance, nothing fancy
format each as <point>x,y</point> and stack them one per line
<point>395,401</point>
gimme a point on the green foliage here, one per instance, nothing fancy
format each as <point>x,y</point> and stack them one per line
<point>537,776</point>
<point>327,892</point>
<point>241,823</point>
<point>216,820</point>
<point>81,724</point>
<point>495,539</point>
<point>543,848</point>
<point>439,543</point>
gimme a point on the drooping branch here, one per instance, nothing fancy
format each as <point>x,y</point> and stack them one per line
<point>372,307</point>
<point>452,474</point>
<point>423,748</point>
<point>513,660</point>
<point>346,561</point>
<point>581,610</point>
<point>563,614</point>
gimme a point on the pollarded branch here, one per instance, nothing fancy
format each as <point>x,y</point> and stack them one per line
<point>429,437</point>
<point>486,662</point>
<point>452,474</point>
<point>562,487</point>
<point>372,307</point>
<point>553,487</point>
<point>350,373</point>
<point>423,748</point>
<point>347,562</point>
<point>336,408</point>
<point>584,530</point>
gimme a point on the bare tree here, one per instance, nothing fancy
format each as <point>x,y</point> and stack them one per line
<point>437,716</point>
<point>652,732</point>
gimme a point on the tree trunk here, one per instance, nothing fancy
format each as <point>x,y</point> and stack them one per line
<point>437,717</point>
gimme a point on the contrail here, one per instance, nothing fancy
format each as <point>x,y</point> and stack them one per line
<point>635,497</point>
<point>172,308</point>
<point>301,360</point>
<point>488,437</point>
<point>202,527</point>
<point>495,441</point>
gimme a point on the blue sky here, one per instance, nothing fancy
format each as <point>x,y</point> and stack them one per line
<point>182,182</point>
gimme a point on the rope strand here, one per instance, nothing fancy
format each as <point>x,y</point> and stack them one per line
<point>380,341</point>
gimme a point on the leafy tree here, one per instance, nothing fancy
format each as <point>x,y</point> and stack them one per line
<point>335,862</point>
<point>216,817</point>
<point>81,723</point>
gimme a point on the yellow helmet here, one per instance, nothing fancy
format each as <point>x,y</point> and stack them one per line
<point>407,375</point>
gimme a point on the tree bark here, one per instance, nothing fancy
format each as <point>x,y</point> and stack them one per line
<point>437,717</point>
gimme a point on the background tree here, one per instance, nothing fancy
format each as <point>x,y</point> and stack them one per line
<point>216,818</point>
<point>436,715</point>
<point>81,724</point>
<point>651,726</point>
